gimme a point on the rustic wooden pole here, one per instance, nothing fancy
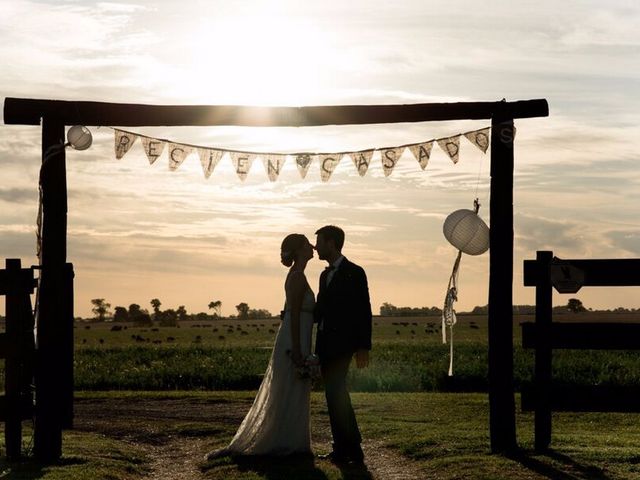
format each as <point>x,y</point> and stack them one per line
<point>48,419</point>
<point>13,422</point>
<point>544,294</point>
<point>26,111</point>
<point>501,397</point>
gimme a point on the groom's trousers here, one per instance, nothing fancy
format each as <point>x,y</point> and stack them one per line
<point>344,428</point>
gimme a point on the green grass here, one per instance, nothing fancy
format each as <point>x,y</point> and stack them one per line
<point>86,456</point>
<point>440,435</point>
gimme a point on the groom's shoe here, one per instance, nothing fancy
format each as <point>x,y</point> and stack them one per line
<point>335,457</point>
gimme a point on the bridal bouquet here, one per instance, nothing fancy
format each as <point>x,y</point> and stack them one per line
<point>310,368</point>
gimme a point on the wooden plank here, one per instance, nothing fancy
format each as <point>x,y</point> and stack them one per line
<point>25,282</point>
<point>24,111</point>
<point>502,423</point>
<point>590,398</point>
<point>624,272</point>
<point>585,335</point>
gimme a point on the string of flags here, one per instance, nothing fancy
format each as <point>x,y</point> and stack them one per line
<point>273,162</point>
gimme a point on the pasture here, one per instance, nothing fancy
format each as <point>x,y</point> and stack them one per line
<point>408,356</point>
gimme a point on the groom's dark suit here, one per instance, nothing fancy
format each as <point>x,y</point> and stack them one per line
<point>343,313</point>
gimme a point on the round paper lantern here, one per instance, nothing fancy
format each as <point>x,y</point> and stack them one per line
<point>79,137</point>
<point>466,231</point>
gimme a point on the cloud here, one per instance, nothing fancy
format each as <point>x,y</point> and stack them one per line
<point>628,240</point>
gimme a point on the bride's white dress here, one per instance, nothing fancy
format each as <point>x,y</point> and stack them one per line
<point>278,421</point>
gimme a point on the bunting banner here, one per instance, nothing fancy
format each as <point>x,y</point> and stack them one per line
<point>451,146</point>
<point>152,147</point>
<point>362,160</point>
<point>273,163</point>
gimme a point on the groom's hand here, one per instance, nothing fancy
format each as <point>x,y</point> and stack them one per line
<point>362,358</point>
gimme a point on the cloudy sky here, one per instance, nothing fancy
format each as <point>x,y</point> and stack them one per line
<point>138,231</point>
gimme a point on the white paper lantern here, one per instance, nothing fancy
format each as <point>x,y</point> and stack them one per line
<point>466,231</point>
<point>79,137</point>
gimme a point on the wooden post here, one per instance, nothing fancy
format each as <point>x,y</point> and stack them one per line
<point>544,295</point>
<point>48,421</point>
<point>501,398</point>
<point>66,330</point>
<point>13,422</point>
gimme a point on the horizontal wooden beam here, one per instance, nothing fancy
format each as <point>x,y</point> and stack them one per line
<point>597,273</point>
<point>26,408</point>
<point>25,283</point>
<point>25,111</point>
<point>584,336</point>
<point>588,398</point>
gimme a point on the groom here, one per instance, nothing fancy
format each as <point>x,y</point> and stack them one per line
<point>343,314</point>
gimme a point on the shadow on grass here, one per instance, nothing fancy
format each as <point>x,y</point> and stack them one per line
<point>568,468</point>
<point>28,468</point>
<point>274,468</point>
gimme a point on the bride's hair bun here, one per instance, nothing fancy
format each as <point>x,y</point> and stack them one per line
<point>290,246</point>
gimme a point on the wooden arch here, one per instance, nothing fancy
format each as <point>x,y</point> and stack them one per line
<point>54,115</point>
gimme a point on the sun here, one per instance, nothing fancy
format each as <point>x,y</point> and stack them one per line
<point>258,59</point>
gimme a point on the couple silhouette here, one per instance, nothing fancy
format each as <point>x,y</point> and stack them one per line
<point>278,422</point>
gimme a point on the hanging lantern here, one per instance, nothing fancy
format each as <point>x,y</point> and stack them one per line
<point>79,137</point>
<point>466,231</point>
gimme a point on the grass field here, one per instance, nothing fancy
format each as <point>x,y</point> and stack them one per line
<point>408,355</point>
<point>121,435</point>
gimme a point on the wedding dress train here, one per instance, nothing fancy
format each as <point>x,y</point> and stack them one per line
<point>278,421</point>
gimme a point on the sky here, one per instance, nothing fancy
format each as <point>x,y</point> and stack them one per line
<point>137,232</point>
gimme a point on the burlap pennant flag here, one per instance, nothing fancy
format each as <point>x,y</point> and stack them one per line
<point>242,163</point>
<point>303,161</point>
<point>422,153</point>
<point>451,146</point>
<point>361,160</point>
<point>480,138</point>
<point>153,148</point>
<point>273,165</point>
<point>177,154</point>
<point>390,157</point>
<point>328,164</point>
<point>209,158</point>
<point>123,142</point>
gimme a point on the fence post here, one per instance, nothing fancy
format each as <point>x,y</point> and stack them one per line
<point>66,363</point>
<point>13,412</point>
<point>543,320</point>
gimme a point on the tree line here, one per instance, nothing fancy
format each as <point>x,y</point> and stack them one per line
<point>574,305</point>
<point>170,317</point>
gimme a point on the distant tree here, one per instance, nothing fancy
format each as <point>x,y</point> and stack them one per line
<point>100,308</point>
<point>155,304</point>
<point>139,316</point>
<point>574,305</point>
<point>120,314</point>
<point>168,318</point>
<point>182,313</point>
<point>259,313</point>
<point>216,306</point>
<point>387,310</point>
<point>243,310</point>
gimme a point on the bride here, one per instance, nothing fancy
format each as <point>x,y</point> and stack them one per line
<point>278,421</point>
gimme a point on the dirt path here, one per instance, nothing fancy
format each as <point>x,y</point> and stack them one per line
<point>175,434</point>
<point>177,460</point>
